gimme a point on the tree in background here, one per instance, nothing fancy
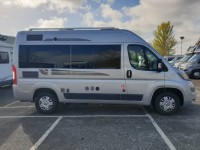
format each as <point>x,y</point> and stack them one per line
<point>164,40</point>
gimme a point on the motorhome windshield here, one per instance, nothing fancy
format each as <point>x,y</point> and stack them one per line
<point>194,58</point>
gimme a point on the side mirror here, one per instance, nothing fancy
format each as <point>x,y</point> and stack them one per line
<point>159,65</point>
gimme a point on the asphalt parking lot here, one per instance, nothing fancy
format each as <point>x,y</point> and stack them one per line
<point>99,127</point>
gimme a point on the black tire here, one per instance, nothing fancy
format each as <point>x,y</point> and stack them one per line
<point>193,76</point>
<point>46,102</point>
<point>167,103</point>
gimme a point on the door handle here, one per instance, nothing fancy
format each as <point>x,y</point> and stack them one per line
<point>129,74</point>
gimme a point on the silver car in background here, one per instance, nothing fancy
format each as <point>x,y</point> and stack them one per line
<point>183,60</point>
<point>192,66</point>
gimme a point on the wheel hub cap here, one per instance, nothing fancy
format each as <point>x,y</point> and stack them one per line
<point>167,103</point>
<point>45,103</point>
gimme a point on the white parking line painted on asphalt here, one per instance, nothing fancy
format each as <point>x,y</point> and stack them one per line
<point>14,117</point>
<point>6,90</point>
<point>11,104</point>
<point>162,134</point>
<point>76,116</point>
<point>16,107</point>
<point>105,116</point>
<point>38,143</point>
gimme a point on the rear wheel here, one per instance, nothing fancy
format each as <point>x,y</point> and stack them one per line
<point>167,103</point>
<point>46,102</point>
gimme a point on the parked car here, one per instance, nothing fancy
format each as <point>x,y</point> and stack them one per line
<point>176,59</point>
<point>192,66</point>
<point>182,60</point>
<point>173,58</point>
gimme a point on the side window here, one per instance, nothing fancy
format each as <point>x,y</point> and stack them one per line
<point>4,58</point>
<point>44,56</point>
<point>96,57</point>
<point>67,56</point>
<point>151,60</point>
<point>141,58</point>
<point>137,57</point>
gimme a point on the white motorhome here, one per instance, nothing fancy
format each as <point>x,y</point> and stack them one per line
<point>95,65</point>
<point>6,50</point>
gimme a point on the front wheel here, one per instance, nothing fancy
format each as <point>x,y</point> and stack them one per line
<point>46,102</point>
<point>195,74</point>
<point>167,103</point>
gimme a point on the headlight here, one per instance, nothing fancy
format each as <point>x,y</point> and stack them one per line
<point>183,75</point>
<point>182,66</point>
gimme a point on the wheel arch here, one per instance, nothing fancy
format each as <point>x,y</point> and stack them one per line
<point>40,90</point>
<point>172,90</point>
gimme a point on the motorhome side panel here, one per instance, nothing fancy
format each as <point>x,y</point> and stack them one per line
<point>5,66</point>
<point>90,69</point>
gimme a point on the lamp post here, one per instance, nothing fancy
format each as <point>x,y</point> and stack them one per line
<point>182,37</point>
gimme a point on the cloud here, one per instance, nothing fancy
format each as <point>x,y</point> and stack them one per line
<point>23,3</point>
<point>88,19</point>
<point>110,2</point>
<point>53,22</point>
<point>59,5</point>
<point>144,18</point>
<point>182,14</point>
<point>108,12</point>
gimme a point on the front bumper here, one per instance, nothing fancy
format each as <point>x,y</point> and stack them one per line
<point>190,94</point>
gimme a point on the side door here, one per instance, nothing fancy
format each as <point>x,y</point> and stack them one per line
<point>96,73</point>
<point>141,75</point>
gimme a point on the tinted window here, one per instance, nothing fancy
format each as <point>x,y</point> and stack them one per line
<point>44,56</point>
<point>136,57</point>
<point>4,58</point>
<point>141,58</point>
<point>96,56</point>
<point>58,56</point>
<point>151,60</point>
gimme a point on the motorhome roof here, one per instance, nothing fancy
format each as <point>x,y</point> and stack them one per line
<point>62,29</point>
<point>98,35</point>
<point>6,41</point>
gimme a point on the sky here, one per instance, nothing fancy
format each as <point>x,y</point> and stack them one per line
<point>139,16</point>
